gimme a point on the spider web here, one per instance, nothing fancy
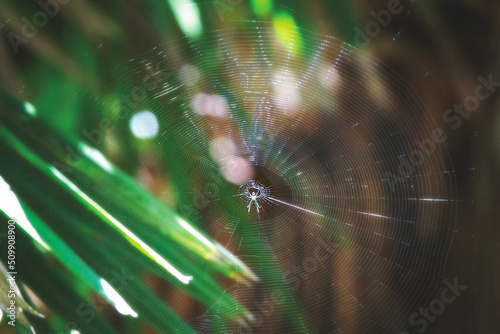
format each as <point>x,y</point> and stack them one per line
<point>352,235</point>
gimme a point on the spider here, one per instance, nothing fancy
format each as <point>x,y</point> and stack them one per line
<point>254,192</point>
<point>253,196</point>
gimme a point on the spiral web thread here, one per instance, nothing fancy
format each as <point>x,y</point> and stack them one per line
<point>352,236</point>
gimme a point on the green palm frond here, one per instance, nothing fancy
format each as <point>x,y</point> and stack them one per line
<point>84,228</point>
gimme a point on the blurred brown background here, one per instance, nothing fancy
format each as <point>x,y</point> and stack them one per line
<point>439,47</point>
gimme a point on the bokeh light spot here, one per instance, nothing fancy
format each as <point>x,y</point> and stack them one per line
<point>187,14</point>
<point>144,125</point>
<point>286,31</point>
<point>261,7</point>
